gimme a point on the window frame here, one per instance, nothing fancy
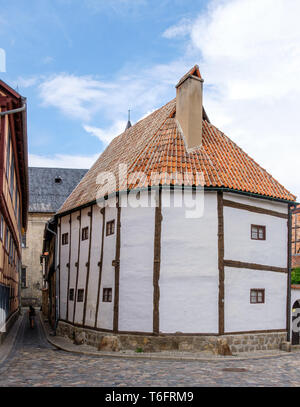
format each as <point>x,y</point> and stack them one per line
<point>71,291</point>
<point>259,228</point>
<point>23,241</point>
<point>110,227</point>
<point>107,294</point>
<point>65,238</point>
<point>23,268</point>
<point>257,291</point>
<point>80,298</point>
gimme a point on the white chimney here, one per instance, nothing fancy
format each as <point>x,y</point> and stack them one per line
<point>189,95</point>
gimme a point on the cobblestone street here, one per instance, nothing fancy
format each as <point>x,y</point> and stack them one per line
<point>34,362</point>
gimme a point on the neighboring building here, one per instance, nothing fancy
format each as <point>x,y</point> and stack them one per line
<point>13,200</point>
<point>48,189</point>
<point>296,237</point>
<point>157,271</point>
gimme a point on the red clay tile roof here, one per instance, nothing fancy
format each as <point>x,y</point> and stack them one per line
<point>156,145</point>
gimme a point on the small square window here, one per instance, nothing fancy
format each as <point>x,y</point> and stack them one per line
<point>80,293</point>
<point>258,232</point>
<point>110,228</point>
<point>85,233</point>
<point>71,294</point>
<point>107,294</point>
<point>257,296</point>
<point>65,238</point>
<point>23,277</point>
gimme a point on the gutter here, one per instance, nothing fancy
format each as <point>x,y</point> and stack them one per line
<point>175,187</point>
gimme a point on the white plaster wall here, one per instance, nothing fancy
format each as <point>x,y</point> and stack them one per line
<point>262,203</point>
<point>64,259</point>
<point>136,268</point>
<point>94,268</point>
<point>74,258</point>
<point>83,258</point>
<point>189,270</point>
<point>240,315</point>
<point>239,246</point>
<point>105,314</point>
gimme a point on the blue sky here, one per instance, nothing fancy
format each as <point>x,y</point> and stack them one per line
<point>82,63</point>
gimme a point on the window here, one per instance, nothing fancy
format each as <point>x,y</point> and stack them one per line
<point>257,296</point>
<point>24,241</point>
<point>64,238</point>
<point>80,293</point>
<point>110,228</point>
<point>6,239</point>
<point>85,233</point>
<point>23,277</point>
<point>8,154</point>
<point>71,294</point>
<point>1,227</point>
<point>107,294</point>
<point>258,232</point>
<point>12,177</point>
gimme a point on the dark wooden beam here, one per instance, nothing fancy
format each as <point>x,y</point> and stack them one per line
<point>221,261</point>
<point>156,265</point>
<point>88,267</point>
<point>117,270</point>
<point>102,211</point>
<point>255,209</point>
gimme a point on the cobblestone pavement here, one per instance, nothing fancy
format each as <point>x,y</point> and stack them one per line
<point>34,362</point>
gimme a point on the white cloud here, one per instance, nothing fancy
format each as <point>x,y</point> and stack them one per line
<point>106,135</point>
<point>181,29</point>
<point>62,161</point>
<point>26,82</point>
<point>82,97</point>
<point>75,96</point>
<point>249,56</point>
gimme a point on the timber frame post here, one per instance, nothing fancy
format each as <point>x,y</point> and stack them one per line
<point>221,260</point>
<point>156,265</point>
<point>117,269</point>
<point>102,211</point>
<point>90,214</point>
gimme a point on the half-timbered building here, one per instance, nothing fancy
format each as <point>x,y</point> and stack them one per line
<point>160,270</point>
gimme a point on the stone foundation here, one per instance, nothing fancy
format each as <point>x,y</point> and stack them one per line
<point>191,343</point>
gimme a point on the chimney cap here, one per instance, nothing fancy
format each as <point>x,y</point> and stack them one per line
<point>192,73</point>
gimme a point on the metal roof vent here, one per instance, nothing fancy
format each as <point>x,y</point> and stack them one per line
<point>58,180</point>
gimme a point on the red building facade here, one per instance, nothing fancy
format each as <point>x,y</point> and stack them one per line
<point>13,200</point>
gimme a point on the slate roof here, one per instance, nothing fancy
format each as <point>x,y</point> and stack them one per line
<point>46,195</point>
<point>156,145</point>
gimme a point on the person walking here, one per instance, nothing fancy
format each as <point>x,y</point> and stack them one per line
<point>31,314</point>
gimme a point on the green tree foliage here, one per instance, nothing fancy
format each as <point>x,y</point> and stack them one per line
<point>295,277</point>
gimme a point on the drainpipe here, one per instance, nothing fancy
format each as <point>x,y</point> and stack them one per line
<point>56,279</point>
<point>2,114</point>
<point>20,109</point>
